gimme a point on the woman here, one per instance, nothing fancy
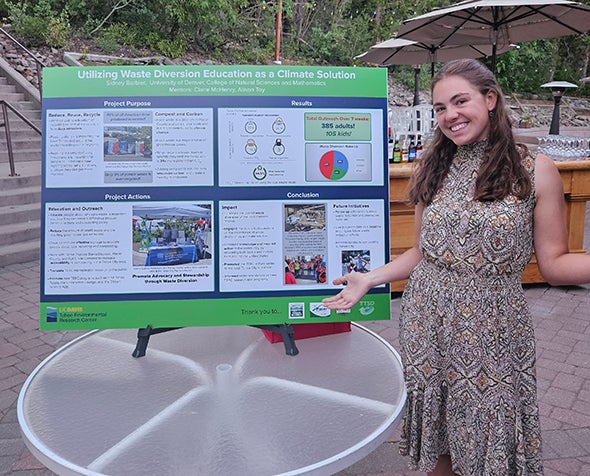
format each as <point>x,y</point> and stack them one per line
<point>466,334</point>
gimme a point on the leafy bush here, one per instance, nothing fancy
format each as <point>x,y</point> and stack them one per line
<point>525,69</point>
<point>123,33</point>
<point>58,31</point>
<point>171,48</point>
<point>107,43</point>
<point>30,24</point>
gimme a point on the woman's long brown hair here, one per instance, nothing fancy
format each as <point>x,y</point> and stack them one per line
<point>501,173</point>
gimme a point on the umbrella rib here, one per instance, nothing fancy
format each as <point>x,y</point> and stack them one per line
<point>478,50</point>
<point>556,20</point>
<point>465,20</point>
<point>417,45</point>
<point>515,14</point>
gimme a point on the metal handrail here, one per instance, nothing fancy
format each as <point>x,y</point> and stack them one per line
<point>39,64</point>
<point>6,124</point>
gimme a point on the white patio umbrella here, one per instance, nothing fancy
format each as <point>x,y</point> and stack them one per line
<point>497,23</point>
<point>401,51</point>
<point>398,50</point>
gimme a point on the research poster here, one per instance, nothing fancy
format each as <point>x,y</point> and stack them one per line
<point>177,196</point>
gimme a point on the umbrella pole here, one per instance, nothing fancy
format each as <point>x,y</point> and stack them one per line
<point>416,85</point>
<point>494,47</point>
<point>494,58</point>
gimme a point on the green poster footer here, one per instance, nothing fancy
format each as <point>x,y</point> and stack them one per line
<point>205,312</point>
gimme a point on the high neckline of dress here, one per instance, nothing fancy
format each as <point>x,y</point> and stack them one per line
<point>475,149</point>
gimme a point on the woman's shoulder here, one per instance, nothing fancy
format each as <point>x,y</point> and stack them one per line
<point>544,164</point>
<point>546,174</point>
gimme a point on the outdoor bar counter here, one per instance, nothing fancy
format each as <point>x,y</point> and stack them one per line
<point>575,176</point>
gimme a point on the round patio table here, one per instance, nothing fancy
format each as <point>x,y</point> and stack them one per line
<point>211,401</point>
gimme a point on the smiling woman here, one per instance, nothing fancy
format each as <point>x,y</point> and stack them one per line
<point>466,334</point>
<point>462,115</point>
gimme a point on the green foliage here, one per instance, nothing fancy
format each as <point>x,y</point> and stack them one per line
<point>107,43</point>
<point>243,31</point>
<point>171,48</point>
<point>30,23</point>
<point>405,74</point>
<point>123,33</point>
<point>38,24</point>
<point>3,9</point>
<point>114,36</point>
<point>524,70</point>
<point>58,31</point>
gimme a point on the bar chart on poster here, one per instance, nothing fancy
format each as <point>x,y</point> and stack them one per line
<point>211,195</point>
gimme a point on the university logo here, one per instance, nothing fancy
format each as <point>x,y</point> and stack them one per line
<point>51,314</point>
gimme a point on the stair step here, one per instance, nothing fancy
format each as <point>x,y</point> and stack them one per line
<point>21,155</point>
<point>20,252</point>
<point>12,97</point>
<point>17,232</point>
<point>20,181</point>
<point>20,213</point>
<point>25,169</point>
<point>20,142</point>
<point>22,131</point>
<point>26,109</point>
<point>20,196</point>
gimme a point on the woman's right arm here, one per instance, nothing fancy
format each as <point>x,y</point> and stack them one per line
<point>358,284</point>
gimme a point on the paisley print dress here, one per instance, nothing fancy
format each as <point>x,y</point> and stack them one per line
<point>466,333</point>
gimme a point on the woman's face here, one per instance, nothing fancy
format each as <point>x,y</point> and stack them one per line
<point>462,112</point>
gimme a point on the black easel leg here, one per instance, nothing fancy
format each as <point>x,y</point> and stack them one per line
<point>287,333</point>
<point>143,338</point>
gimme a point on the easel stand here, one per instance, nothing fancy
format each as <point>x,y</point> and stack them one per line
<point>143,338</point>
<point>285,330</point>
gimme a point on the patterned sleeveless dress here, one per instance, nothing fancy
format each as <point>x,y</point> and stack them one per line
<point>466,333</point>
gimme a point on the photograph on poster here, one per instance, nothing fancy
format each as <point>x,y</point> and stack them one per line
<point>305,218</point>
<point>125,143</point>
<point>358,261</point>
<point>304,243</point>
<point>305,269</point>
<point>168,235</point>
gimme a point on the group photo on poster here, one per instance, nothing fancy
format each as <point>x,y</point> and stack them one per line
<point>165,235</point>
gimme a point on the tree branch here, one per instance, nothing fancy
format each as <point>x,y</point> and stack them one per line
<point>118,6</point>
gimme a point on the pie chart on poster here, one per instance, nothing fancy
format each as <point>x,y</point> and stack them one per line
<point>333,165</point>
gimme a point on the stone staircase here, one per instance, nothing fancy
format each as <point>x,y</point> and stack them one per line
<point>20,195</point>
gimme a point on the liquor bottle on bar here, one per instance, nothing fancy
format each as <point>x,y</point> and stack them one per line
<point>390,148</point>
<point>412,150</point>
<point>404,149</point>
<point>397,152</point>
<point>419,148</point>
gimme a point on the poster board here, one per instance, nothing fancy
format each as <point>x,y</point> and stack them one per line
<point>210,195</point>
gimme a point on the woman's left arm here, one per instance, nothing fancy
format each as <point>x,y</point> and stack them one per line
<point>556,264</point>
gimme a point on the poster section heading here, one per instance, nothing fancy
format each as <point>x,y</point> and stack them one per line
<point>144,82</point>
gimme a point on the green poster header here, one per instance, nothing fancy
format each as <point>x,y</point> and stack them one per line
<point>199,80</point>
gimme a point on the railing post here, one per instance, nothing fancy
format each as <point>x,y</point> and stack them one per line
<point>39,78</point>
<point>8,140</point>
